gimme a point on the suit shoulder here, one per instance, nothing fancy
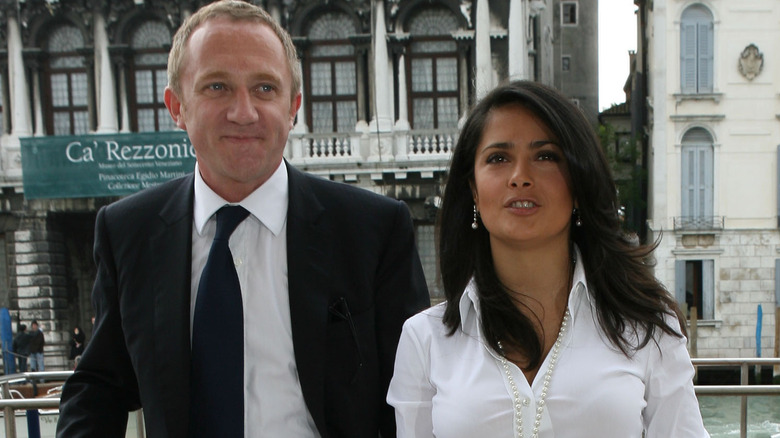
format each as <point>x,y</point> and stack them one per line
<point>151,199</point>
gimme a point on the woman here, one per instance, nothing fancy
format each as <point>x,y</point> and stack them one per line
<point>553,324</point>
<point>76,343</point>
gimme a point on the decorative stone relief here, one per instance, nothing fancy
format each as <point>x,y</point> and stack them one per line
<point>751,61</point>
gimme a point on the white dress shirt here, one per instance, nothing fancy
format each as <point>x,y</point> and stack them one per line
<point>455,386</point>
<point>273,400</point>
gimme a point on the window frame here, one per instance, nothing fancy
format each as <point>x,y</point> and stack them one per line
<point>334,99</point>
<point>47,85</point>
<point>433,94</point>
<point>576,19</point>
<point>701,274</point>
<point>697,51</point>
<point>697,179</point>
<point>566,63</point>
<point>71,109</point>
<point>158,103</point>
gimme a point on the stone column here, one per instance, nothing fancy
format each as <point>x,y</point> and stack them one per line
<point>38,274</point>
<point>20,102</point>
<point>362,44</point>
<point>518,54</point>
<point>383,117</point>
<point>484,60</point>
<point>465,41</point>
<point>381,148</point>
<point>119,55</point>
<point>107,120</point>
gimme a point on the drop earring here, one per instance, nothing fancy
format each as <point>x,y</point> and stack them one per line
<point>577,217</point>
<point>475,224</point>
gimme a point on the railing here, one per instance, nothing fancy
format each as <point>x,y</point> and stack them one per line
<point>696,223</point>
<point>327,145</point>
<point>743,389</point>
<point>433,142</point>
<point>9,405</point>
<point>367,147</point>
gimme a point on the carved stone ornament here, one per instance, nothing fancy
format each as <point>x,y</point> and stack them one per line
<point>751,62</point>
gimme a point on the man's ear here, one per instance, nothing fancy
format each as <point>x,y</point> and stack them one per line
<point>294,107</point>
<point>174,106</point>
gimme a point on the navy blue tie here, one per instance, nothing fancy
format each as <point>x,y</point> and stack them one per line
<point>217,385</point>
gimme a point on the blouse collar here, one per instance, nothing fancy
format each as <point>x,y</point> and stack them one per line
<point>469,305</point>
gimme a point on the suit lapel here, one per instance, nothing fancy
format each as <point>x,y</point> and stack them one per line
<point>308,244</point>
<point>172,271</point>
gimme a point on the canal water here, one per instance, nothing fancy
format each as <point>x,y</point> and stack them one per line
<point>721,416</point>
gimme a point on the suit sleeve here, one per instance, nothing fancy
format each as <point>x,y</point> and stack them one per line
<point>401,293</point>
<point>96,399</point>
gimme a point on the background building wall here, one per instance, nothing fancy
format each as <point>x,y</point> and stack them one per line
<point>733,117</point>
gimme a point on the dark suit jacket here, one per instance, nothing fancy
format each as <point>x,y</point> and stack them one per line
<point>346,247</point>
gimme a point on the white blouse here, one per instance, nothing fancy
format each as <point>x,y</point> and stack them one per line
<point>455,386</point>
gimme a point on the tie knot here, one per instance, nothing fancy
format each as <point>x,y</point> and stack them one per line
<point>228,218</point>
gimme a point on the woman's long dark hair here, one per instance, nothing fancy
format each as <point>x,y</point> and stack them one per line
<point>630,301</point>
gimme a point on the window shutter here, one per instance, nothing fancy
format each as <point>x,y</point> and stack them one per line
<point>688,179</point>
<point>688,58</point>
<point>679,282</point>
<point>777,283</point>
<point>708,289</point>
<point>708,183</point>
<point>705,57</point>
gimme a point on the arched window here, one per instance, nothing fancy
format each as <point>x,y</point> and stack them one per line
<point>433,64</point>
<point>331,74</point>
<point>67,95</point>
<point>149,77</point>
<point>697,179</point>
<point>696,50</point>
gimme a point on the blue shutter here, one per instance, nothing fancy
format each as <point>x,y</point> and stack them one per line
<point>679,284</point>
<point>705,57</point>
<point>687,188</point>
<point>708,289</point>
<point>688,58</point>
<point>777,285</point>
<point>697,174</point>
<point>708,183</point>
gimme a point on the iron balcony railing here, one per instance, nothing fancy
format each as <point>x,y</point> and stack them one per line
<point>698,223</point>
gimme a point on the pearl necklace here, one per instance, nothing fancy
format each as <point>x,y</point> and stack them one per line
<point>518,404</point>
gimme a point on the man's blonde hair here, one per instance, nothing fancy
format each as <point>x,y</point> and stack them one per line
<point>238,11</point>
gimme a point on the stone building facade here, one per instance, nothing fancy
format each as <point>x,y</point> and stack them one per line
<point>709,102</point>
<point>385,85</point>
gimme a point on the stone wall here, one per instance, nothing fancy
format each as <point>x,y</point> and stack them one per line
<point>37,275</point>
<point>744,262</point>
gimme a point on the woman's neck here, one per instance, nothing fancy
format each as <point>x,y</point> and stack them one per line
<point>538,278</point>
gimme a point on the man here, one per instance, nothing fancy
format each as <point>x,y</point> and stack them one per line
<point>35,347</point>
<point>327,272</point>
<point>21,347</point>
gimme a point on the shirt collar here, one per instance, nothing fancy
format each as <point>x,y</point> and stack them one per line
<point>268,203</point>
<point>469,307</point>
